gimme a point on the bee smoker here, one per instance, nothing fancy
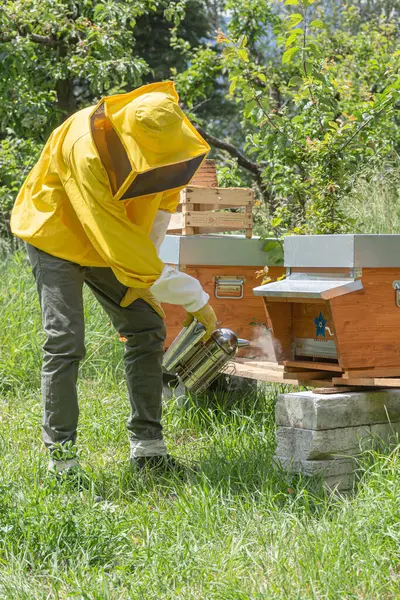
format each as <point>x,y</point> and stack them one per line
<point>198,364</point>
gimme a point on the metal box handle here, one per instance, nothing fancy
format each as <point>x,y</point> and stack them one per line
<point>228,287</point>
<point>396,287</point>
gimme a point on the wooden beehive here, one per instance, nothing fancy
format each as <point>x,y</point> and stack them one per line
<point>206,208</point>
<point>227,268</point>
<point>339,308</point>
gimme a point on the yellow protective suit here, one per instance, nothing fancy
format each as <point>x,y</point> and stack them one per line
<point>102,177</point>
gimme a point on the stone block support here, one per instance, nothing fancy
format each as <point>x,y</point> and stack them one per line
<point>321,434</point>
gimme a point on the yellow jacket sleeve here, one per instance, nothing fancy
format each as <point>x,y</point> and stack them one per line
<point>124,246</point>
<point>170,200</point>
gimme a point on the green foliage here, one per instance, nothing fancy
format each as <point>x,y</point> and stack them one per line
<point>228,174</point>
<point>330,122</point>
<point>274,253</point>
<point>57,56</point>
<point>17,157</point>
<point>375,199</point>
<point>308,90</point>
<point>314,109</point>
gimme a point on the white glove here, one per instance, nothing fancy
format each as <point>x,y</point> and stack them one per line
<point>176,287</point>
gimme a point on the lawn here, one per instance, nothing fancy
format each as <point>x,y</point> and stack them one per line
<point>236,530</point>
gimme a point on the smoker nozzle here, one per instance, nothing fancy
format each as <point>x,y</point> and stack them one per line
<point>242,343</point>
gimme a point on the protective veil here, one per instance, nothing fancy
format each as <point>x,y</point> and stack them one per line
<point>103,176</point>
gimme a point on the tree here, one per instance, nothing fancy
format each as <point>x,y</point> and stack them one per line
<point>57,56</point>
<point>315,105</point>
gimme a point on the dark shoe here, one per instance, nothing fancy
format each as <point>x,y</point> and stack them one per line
<point>160,464</point>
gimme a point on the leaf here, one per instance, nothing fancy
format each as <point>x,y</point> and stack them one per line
<point>271,245</point>
<point>291,39</point>
<point>289,53</point>
<point>274,250</point>
<point>319,77</point>
<point>294,81</point>
<point>294,19</point>
<point>318,24</point>
<point>232,87</point>
<point>244,55</point>
<point>242,41</point>
<point>291,3</point>
<point>309,67</point>
<point>262,77</point>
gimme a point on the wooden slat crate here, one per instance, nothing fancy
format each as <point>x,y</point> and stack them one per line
<point>201,210</point>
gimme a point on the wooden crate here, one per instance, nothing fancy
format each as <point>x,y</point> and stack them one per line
<point>204,210</point>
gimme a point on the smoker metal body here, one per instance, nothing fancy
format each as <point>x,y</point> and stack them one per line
<point>198,364</point>
<point>340,301</point>
<point>226,266</point>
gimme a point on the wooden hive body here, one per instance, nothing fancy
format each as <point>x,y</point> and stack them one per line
<point>354,325</point>
<point>226,266</point>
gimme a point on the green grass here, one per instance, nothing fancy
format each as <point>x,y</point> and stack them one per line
<point>374,202</point>
<point>236,530</point>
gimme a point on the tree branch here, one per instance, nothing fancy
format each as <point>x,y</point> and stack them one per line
<point>242,159</point>
<point>38,39</point>
<point>46,41</point>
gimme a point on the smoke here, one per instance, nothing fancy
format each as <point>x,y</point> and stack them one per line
<point>264,345</point>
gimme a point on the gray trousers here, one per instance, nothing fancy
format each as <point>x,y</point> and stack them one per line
<point>60,284</point>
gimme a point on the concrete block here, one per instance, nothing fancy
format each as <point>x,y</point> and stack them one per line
<point>309,444</point>
<point>312,468</point>
<point>305,410</point>
<point>341,483</point>
<point>337,474</point>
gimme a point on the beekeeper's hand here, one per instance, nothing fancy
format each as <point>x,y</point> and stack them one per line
<point>144,294</point>
<point>177,287</point>
<point>206,316</point>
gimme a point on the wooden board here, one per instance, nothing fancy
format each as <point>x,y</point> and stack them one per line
<point>279,321</point>
<point>303,316</point>
<point>339,390</point>
<point>221,197</point>
<point>367,322</point>
<point>306,375</point>
<point>368,382</point>
<point>378,372</point>
<point>271,375</point>
<point>206,175</point>
<point>309,364</point>
<point>225,221</point>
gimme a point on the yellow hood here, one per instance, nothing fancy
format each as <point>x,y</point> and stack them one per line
<point>145,141</point>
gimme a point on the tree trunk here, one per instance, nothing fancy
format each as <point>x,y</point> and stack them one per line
<point>66,101</point>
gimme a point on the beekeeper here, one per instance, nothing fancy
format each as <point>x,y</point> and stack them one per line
<point>95,210</point>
